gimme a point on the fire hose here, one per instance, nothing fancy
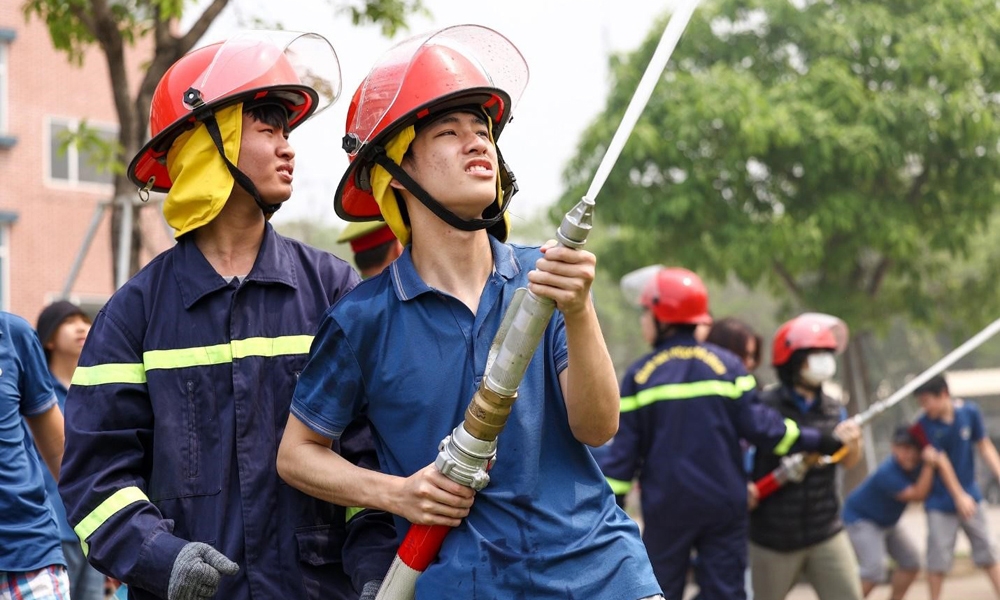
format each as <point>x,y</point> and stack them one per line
<point>467,455</point>
<point>793,468</point>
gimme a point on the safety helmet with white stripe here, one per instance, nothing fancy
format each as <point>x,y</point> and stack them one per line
<point>299,71</point>
<point>424,76</point>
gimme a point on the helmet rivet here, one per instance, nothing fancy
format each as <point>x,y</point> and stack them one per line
<point>351,143</point>
<point>193,98</point>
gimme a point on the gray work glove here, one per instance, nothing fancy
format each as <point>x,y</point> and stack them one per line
<point>197,571</point>
<point>370,590</point>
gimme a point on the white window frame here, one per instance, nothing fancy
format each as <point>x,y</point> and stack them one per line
<point>4,86</point>
<point>72,154</point>
<point>5,266</point>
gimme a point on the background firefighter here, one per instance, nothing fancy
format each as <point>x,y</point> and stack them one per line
<point>798,529</point>
<point>685,406</point>
<point>373,244</point>
<point>184,384</point>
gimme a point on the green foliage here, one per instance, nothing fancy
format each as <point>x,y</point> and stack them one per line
<point>389,14</point>
<point>843,152</point>
<point>101,150</point>
<point>72,28</point>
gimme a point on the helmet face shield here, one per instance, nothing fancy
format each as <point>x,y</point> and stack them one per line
<point>633,284</point>
<point>260,59</point>
<point>465,57</point>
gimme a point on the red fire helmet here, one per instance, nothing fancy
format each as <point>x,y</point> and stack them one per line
<point>676,295</point>
<point>299,69</point>
<point>808,331</point>
<point>453,67</point>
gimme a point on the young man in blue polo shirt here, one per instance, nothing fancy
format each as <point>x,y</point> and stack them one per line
<point>872,511</point>
<point>409,347</point>
<point>955,428</point>
<point>32,565</point>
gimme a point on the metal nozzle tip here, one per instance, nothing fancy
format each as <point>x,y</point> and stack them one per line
<point>577,223</point>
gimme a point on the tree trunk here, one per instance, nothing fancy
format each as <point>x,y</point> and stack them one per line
<point>857,389</point>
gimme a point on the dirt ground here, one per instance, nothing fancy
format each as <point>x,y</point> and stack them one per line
<point>965,582</point>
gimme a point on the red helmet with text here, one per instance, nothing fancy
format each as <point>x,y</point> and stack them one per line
<point>676,296</point>
<point>455,67</point>
<point>298,70</point>
<point>808,331</point>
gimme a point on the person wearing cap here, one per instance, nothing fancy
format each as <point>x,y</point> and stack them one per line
<point>955,427</point>
<point>62,329</point>
<point>797,530</point>
<point>373,244</point>
<point>183,387</point>
<point>32,564</point>
<point>684,408</point>
<point>873,509</point>
<point>409,347</point>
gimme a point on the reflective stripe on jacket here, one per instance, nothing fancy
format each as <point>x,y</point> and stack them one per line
<point>684,409</point>
<point>173,422</point>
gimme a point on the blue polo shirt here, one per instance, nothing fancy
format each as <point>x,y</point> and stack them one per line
<point>411,357</point>
<point>29,536</point>
<point>875,499</point>
<point>956,439</point>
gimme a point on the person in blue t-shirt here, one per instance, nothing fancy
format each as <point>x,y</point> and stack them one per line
<point>872,511</point>
<point>62,328</point>
<point>409,347</point>
<point>31,559</point>
<point>955,427</point>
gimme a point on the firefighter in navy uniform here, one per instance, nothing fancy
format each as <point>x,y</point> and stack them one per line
<point>684,408</point>
<point>373,244</point>
<point>798,529</point>
<point>183,387</point>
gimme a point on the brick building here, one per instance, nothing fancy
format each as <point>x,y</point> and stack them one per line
<point>49,198</point>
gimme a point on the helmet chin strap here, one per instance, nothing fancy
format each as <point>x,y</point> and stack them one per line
<point>213,130</point>
<point>433,205</point>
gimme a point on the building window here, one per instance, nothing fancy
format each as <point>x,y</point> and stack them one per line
<point>6,37</point>
<point>6,220</point>
<point>70,164</point>
<point>3,87</point>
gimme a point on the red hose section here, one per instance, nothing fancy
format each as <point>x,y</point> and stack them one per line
<point>767,485</point>
<point>421,544</point>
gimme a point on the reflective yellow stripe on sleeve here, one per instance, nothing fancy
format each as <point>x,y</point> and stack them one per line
<point>105,511</point>
<point>791,434</point>
<point>686,391</point>
<point>109,373</point>
<point>618,486</point>
<point>351,512</point>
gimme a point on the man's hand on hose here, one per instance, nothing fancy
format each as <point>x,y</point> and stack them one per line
<point>197,571</point>
<point>564,275</point>
<point>829,443</point>
<point>429,498</point>
<point>848,432</point>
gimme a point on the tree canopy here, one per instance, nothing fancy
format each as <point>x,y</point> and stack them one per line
<point>844,152</point>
